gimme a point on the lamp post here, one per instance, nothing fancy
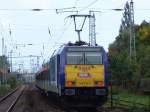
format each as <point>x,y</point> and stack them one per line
<point>11,60</point>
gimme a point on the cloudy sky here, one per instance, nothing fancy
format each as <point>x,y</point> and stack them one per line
<point>31,27</point>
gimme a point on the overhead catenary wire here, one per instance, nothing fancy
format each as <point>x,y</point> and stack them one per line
<point>92,3</point>
<point>56,41</point>
<point>68,10</point>
<point>30,27</point>
<point>49,32</point>
<point>65,29</point>
<point>76,2</point>
<point>34,9</point>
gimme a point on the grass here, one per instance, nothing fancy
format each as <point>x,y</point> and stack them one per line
<point>129,99</point>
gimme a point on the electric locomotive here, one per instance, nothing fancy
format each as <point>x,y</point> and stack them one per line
<point>77,76</point>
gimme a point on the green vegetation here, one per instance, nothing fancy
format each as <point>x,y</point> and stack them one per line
<point>12,82</point>
<point>7,81</point>
<point>3,62</point>
<point>131,74</point>
<point>11,85</point>
<point>4,89</point>
<point>130,98</point>
<point>4,65</point>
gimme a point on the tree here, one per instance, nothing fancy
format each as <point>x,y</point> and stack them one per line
<point>3,62</point>
<point>12,81</point>
<point>121,68</point>
<point>3,68</point>
<point>126,18</point>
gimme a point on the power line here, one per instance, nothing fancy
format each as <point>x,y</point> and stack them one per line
<point>61,35</point>
<point>92,3</point>
<point>121,9</point>
<point>76,2</point>
<point>27,27</point>
<point>79,9</point>
<point>25,9</point>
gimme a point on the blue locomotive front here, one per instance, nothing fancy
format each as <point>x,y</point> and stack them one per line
<point>76,76</point>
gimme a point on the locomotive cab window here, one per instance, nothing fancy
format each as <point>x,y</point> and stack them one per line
<point>93,58</point>
<point>80,57</point>
<point>75,58</point>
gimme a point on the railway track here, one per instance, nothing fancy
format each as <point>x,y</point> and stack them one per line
<point>31,100</point>
<point>8,102</point>
<point>54,106</point>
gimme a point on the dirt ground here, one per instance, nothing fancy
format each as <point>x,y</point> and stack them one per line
<point>33,101</point>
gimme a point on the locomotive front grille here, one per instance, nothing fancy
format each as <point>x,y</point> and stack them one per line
<point>85,91</point>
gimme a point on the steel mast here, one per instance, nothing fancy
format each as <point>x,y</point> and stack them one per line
<point>92,33</point>
<point>132,32</point>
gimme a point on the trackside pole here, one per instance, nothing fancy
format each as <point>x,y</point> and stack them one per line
<point>111,95</point>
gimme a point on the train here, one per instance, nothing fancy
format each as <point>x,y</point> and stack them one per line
<point>76,76</point>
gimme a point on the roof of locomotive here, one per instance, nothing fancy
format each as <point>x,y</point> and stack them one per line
<point>70,45</point>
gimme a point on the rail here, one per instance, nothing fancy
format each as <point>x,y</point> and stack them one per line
<point>15,101</point>
<point>9,101</point>
<point>9,94</point>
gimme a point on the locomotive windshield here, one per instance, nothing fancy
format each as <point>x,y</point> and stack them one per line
<point>75,58</point>
<point>84,57</point>
<point>93,58</point>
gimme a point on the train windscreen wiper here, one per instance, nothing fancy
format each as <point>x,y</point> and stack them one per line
<point>80,61</point>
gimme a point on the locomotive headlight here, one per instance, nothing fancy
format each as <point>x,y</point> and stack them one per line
<point>100,91</point>
<point>99,83</point>
<point>70,83</point>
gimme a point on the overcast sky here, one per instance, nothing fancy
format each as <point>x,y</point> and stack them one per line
<point>30,27</point>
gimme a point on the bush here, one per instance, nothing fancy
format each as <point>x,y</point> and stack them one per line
<point>4,89</point>
<point>145,84</point>
<point>12,82</point>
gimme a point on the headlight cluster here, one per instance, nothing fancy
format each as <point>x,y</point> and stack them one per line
<point>100,91</point>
